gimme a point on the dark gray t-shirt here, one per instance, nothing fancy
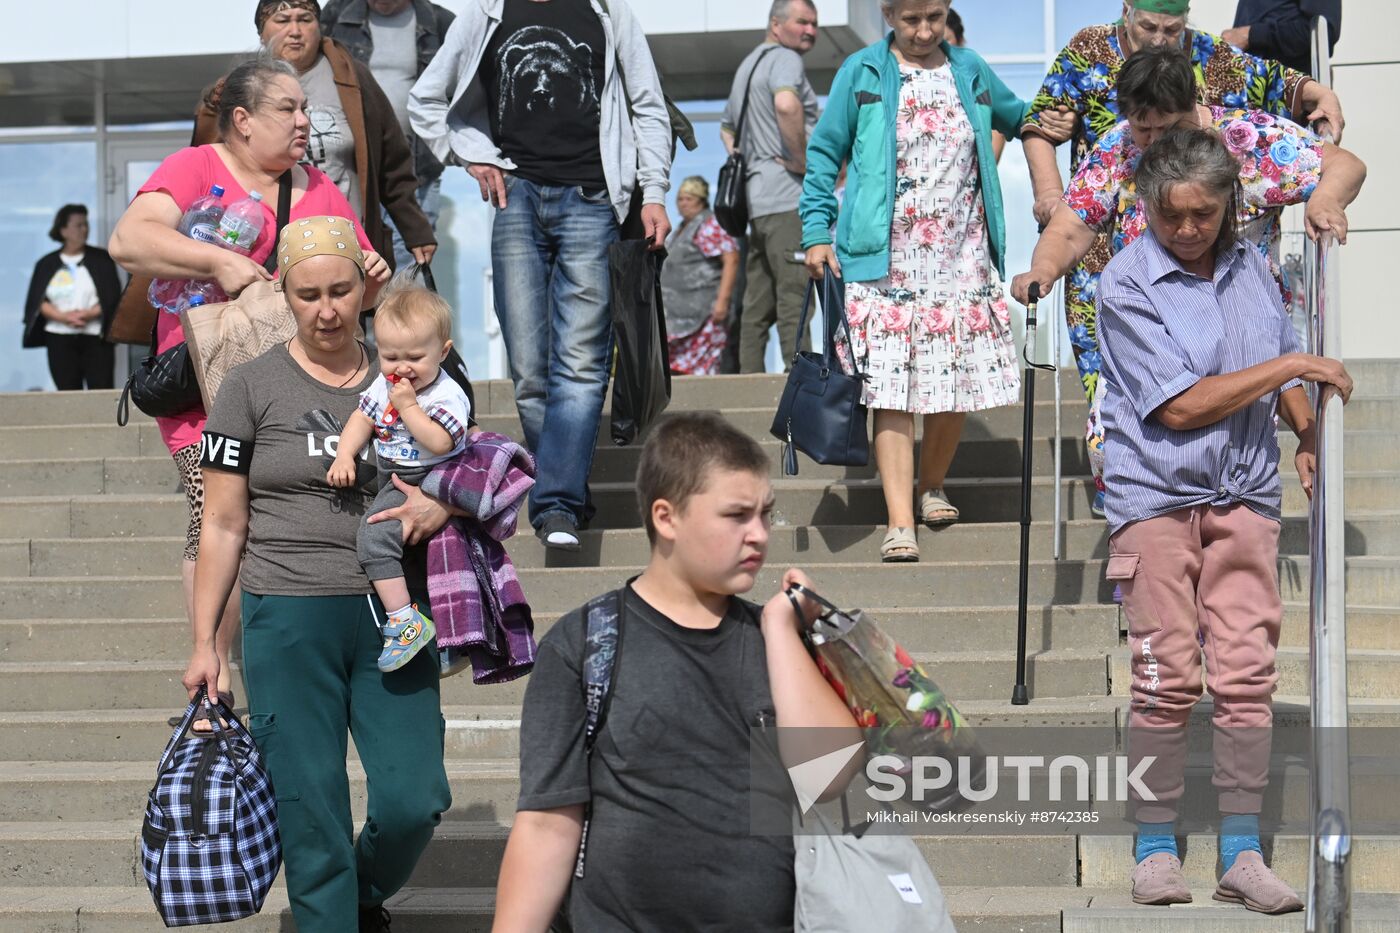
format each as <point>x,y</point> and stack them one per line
<point>279,427</point>
<point>772,189</point>
<point>669,847</point>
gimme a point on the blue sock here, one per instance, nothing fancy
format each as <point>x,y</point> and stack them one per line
<point>1155,837</point>
<point>1239,832</point>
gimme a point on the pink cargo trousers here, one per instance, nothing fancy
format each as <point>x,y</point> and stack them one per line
<point>1201,581</point>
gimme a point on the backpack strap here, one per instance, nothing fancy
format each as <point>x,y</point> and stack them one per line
<point>600,649</point>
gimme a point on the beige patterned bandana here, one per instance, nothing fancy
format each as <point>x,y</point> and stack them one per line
<point>318,236</point>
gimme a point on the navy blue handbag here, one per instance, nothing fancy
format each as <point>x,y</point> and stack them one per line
<point>209,844</point>
<point>822,412</point>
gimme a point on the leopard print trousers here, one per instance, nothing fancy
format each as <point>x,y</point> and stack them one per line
<point>187,462</point>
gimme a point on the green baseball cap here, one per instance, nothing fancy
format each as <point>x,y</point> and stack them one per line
<point>1166,7</point>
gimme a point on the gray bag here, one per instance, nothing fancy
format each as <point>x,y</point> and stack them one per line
<point>851,881</point>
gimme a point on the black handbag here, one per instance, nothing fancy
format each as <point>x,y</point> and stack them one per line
<point>731,201</point>
<point>822,412</point>
<point>165,384</point>
<point>162,385</point>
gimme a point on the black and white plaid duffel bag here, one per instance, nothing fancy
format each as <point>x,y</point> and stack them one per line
<point>209,844</point>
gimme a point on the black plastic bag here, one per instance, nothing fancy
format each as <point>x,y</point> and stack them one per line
<point>642,381</point>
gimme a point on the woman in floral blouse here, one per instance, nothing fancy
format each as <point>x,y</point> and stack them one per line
<point>1085,77</point>
<point>920,242</point>
<point>1281,163</point>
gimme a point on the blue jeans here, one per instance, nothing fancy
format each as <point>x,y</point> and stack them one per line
<point>430,200</point>
<point>549,255</point>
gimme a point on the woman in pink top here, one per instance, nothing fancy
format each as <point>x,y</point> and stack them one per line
<point>262,118</point>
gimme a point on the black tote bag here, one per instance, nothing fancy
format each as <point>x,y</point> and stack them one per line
<point>822,412</point>
<point>642,381</point>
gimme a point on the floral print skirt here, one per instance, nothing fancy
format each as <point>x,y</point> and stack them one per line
<point>926,358</point>
<point>698,353</point>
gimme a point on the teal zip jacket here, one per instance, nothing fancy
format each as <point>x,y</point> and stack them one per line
<point>859,126</point>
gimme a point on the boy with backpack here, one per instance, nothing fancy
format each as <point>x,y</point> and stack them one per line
<point>635,734</point>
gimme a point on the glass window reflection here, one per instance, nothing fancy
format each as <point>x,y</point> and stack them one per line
<point>38,179</point>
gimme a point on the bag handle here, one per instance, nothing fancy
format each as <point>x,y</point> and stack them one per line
<point>832,297</point>
<point>744,107</point>
<point>185,721</point>
<point>284,214</point>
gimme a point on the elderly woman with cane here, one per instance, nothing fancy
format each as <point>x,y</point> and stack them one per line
<point>1200,357</point>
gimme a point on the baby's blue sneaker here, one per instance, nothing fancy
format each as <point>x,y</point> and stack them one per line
<point>404,639</point>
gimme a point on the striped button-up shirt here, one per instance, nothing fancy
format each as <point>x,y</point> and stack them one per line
<point>1163,329</point>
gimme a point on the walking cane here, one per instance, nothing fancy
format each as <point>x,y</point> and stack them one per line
<point>1019,695</point>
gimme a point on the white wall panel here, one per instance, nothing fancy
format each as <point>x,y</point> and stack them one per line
<point>1369,30</point>
<point>1367,93</point>
<point>1370,325</point>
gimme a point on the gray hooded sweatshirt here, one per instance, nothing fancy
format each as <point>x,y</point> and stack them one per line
<point>447,106</point>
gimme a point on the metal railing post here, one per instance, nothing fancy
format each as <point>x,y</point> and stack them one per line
<point>1329,883</point>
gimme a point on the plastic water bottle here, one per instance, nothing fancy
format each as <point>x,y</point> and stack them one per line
<point>207,293</point>
<point>237,230</point>
<point>241,224</point>
<point>200,222</point>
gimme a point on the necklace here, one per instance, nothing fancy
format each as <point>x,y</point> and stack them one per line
<point>359,363</point>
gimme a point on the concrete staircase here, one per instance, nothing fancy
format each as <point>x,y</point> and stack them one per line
<point>93,640</point>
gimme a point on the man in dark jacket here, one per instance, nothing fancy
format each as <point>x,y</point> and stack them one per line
<point>1282,29</point>
<point>396,39</point>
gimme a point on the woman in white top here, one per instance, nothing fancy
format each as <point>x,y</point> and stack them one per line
<point>72,297</point>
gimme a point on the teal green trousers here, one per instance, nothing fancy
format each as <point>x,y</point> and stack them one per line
<point>309,666</point>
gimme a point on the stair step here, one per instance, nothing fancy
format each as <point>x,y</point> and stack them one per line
<point>483,790</point>
<point>56,555</point>
<point>953,628</point>
<point>79,685</point>
<point>1114,912</point>
<point>563,589</point>
<point>560,589</point>
<point>468,910</point>
<point>1107,861</point>
<point>486,789</point>
<point>1372,675</point>
<point>469,854</point>
<point>474,731</point>
<point>102,438</point>
<point>481,731</point>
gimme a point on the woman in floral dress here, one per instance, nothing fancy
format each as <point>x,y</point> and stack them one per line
<point>920,243</point>
<point>697,283</point>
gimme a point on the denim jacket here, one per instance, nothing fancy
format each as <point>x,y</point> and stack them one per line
<point>347,22</point>
<point>859,125</point>
<point>447,106</point>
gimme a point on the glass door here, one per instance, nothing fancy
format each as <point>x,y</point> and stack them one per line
<point>130,161</point>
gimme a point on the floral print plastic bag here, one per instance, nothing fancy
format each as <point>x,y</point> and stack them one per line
<point>897,705</point>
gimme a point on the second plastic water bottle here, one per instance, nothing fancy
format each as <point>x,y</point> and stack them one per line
<point>241,224</point>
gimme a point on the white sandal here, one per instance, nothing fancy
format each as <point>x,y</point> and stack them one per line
<point>901,546</point>
<point>935,510</point>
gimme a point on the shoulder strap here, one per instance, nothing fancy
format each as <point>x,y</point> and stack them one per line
<point>284,214</point>
<point>748,86</point>
<point>600,647</point>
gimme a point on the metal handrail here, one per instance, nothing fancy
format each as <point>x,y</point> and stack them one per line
<point>1329,864</point>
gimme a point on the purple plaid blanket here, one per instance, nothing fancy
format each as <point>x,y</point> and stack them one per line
<point>478,603</point>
